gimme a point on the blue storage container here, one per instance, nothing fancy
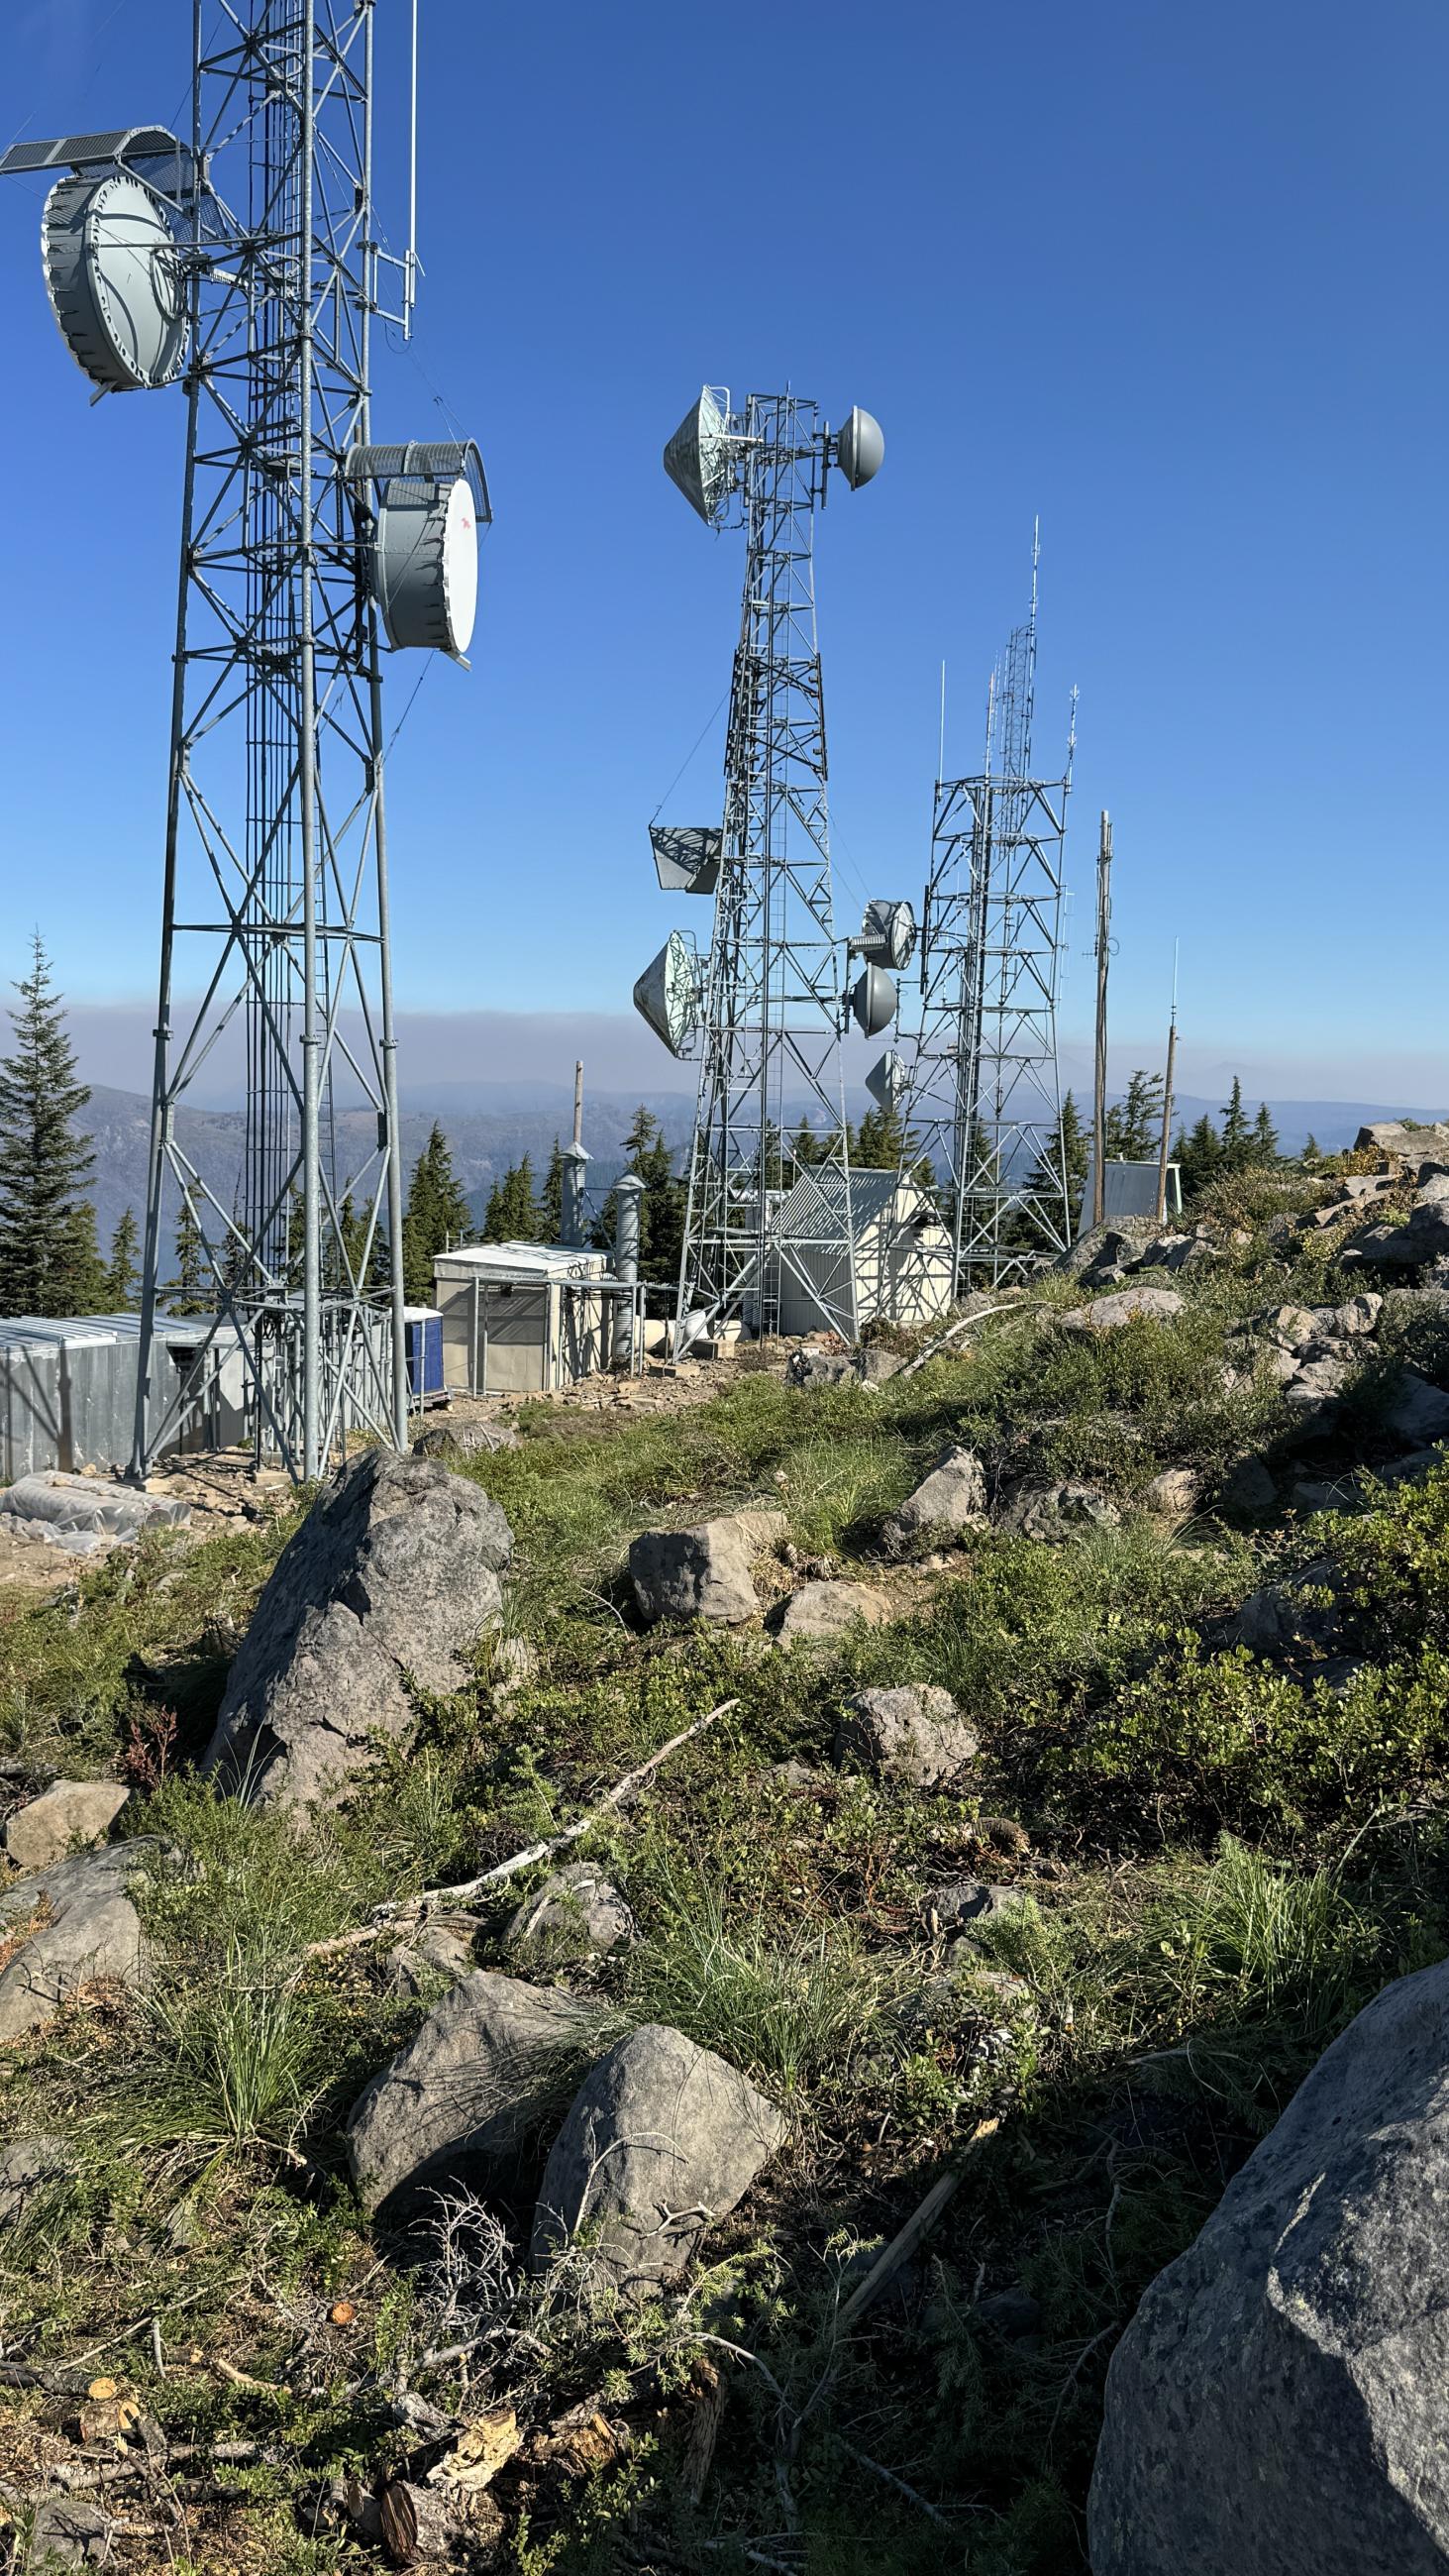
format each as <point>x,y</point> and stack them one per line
<point>424,1329</point>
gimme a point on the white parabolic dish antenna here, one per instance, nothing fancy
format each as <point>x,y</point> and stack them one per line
<point>667,993</point>
<point>425,563</point>
<point>698,458</point>
<point>113,275</point>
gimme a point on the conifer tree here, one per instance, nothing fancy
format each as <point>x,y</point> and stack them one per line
<point>87,1280</point>
<point>189,1293</point>
<point>1237,1135</point>
<point>46,1254</point>
<point>662,1208</point>
<point>513,1214</point>
<point>1199,1155</point>
<point>437,1214</point>
<point>550,1197</point>
<point>123,1279</point>
<point>1134,1123</point>
<point>1265,1136</point>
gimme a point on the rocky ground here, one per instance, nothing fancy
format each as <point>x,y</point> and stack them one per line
<point>650,1987</point>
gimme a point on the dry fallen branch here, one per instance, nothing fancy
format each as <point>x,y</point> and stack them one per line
<point>902,2246</point>
<point>418,1906</point>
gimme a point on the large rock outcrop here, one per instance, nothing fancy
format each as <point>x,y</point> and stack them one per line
<point>468,2089</point>
<point>391,1578</point>
<point>1279,2405</point>
<point>663,2138</point>
<point>72,1925</point>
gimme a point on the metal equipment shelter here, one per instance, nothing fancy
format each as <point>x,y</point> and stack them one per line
<point>530,1318</point>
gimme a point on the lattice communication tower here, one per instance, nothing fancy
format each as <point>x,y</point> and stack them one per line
<point>766,1014</point>
<point>984,1093</point>
<point>246,265</point>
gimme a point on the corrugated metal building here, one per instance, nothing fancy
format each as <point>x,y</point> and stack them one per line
<point>68,1391</point>
<point>901,1251</point>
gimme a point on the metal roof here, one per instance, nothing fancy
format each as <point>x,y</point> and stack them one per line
<point>43,1332</point>
<point>819,1196</point>
<point>536,1262</point>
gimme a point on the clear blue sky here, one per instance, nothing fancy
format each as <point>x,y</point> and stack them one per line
<point>1171,278</point>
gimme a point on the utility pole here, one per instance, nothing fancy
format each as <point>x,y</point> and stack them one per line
<point>1162,1151</point>
<point>1099,1095</point>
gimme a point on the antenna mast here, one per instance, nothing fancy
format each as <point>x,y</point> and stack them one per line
<point>984,1094</point>
<point>300,543</point>
<point>1099,1067</point>
<point>767,1014</point>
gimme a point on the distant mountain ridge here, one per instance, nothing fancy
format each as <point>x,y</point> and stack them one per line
<point>492,1124</point>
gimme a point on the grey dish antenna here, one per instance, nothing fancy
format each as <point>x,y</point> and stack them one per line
<point>860,448</point>
<point>113,274</point>
<point>886,1081</point>
<point>700,457</point>
<point>873,1001</point>
<point>667,994</point>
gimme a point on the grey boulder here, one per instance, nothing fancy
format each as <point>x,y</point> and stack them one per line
<point>1416,1410</point>
<point>68,2532</point>
<point>867,1366</point>
<point>966,1900</point>
<point>951,1498</point>
<point>1354,1318</point>
<point>577,1903</point>
<point>1129,1306</point>
<point>662,2139</point>
<point>470,2089</point>
<point>69,1812</point>
<point>391,1579</point>
<point>913,1734</point>
<point>1052,1512</point>
<point>465,1440</point>
<point>28,2170</point>
<point>74,1925</point>
<point>1277,1618</point>
<point>1279,2405</point>
<point>1291,1327</point>
<point>1248,1490</point>
<point>823,1610</point>
<point>701,1573</point>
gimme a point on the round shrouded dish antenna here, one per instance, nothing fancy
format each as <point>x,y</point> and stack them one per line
<point>887,934</point>
<point>667,993</point>
<point>425,563</point>
<point>860,448</point>
<point>699,458</point>
<point>874,1001</point>
<point>113,274</point>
